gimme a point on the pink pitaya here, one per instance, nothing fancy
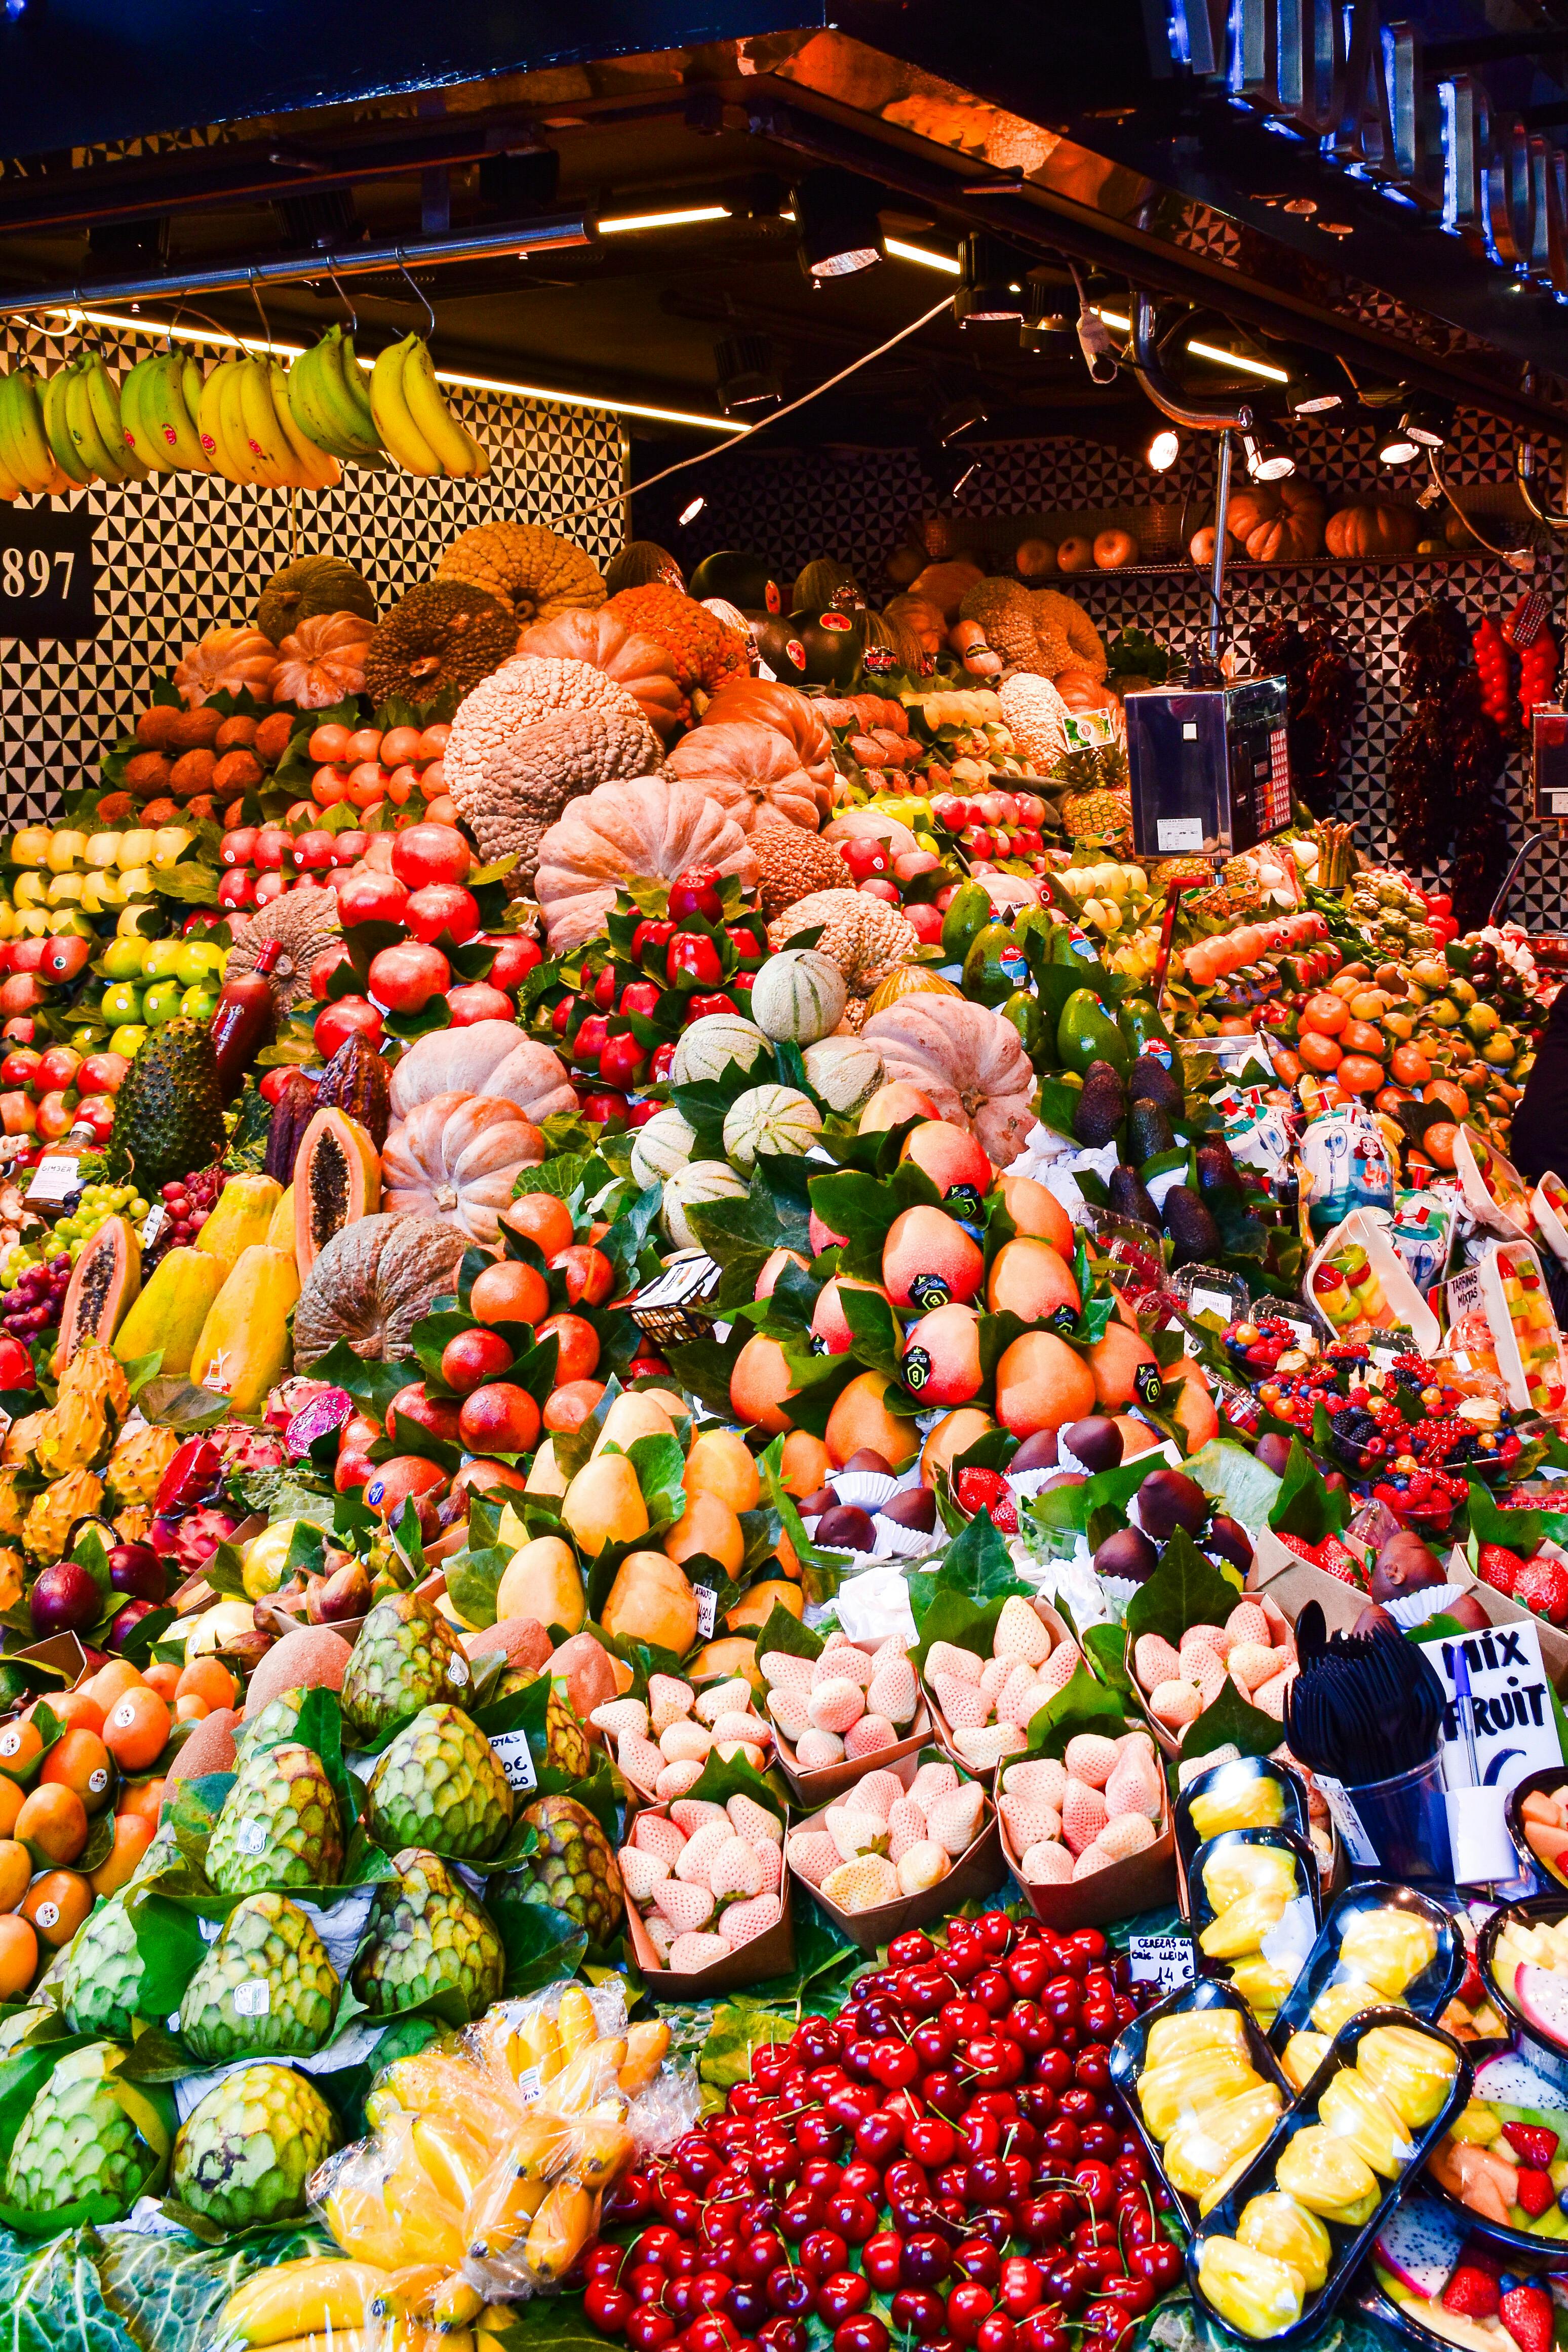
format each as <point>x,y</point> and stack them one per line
<point>196,1472</point>
<point>326,1410</point>
<point>287,1397</point>
<point>188,1543</point>
<point>244,1448</point>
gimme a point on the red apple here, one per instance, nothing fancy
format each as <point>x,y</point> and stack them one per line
<point>926,924</point>
<point>97,1112</point>
<point>102,1074</point>
<point>477,1000</point>
<point>268,887</point>
<point>430,852</point>
<point>915,861</point>
<point>65,957</point>
<point>22,993</point>
<point>604,1110</point>
<point>235,888</point>
<point>54,1118</point>
<point>272,1083</point>
<point>28,955</point>
<point>404,978</point>
<point>876,886</point>
<point>350,1015</point>
<point>57,1069</point>
<point>273,845</point>
<point>442,907</point>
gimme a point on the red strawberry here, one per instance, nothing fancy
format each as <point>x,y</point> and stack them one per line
<point>1470,2293</point>
<point>1004,1516</point>
<point>1500,1568</point>
<point>977,1490</point>
<point>1542,1585</point>
<point>1531,2143</point>
<point>1534,2190</point>
<point>1526,2313</point>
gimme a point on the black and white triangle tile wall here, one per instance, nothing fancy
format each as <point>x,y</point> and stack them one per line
<point>183,553</point>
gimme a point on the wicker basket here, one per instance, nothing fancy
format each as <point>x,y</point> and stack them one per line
<point>672,1309</point>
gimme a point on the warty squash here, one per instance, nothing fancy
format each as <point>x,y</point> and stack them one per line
<point>373,1282</point>
<point>653,829</point>
<point>534,571</point>
<point>457,1157</point>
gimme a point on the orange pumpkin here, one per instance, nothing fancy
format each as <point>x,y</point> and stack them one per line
<point>228,661</point>
<point>1372,530</point>
<point>945,586</point>
<point>603,640</point>
<point>1250,507</point>
<point>1081,690</point>
<point>1034,558</point>
<point>753,772</point>
<point>1112,549</point>
<point>1294,529</point>
<point>323,661</point>
<point>926,621</point>
<point>790,714</point>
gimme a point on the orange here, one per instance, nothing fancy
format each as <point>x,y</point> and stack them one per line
<point>1325,1012</point>
<point>1360,1073</point>
<point>1361,1037</point>
<point>206,1678</point>
<point>164,1679</point>
<point>1410,1066</point>
<point>136,1729</point>
<point>75,1710</point>
<point>1388,1100</point>
<point>509,1293</point>
<point>80,1760</point>
<point>54,1819</point>
<point>543,1220</point>
<point>140,1801</point>
<point>15,1871</point>
<point>10,1805</point>
<point>1452,1098</point>
<point>1318,1052</point>
<point>567,1408</point>
<point>19,1743</point>
<point>112,1681</point>
<point>133,1833</point>
<point>1287,1065</point>
<point>190,1709</point>
<point>708,1524</point>
<point>57,1905</point>
<point>1439,1141</point>
<point>19,1957</point>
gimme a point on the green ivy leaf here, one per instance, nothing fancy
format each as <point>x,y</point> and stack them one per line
<point>1186,1589</point>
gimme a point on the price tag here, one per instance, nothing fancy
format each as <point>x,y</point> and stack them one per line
<point>707,1611</point>
<point>1304,1334</point>
<point>1462,1295</point>
<point>210,1929</point>
<point>152,1225</point>
<point>515,1760</point>
<point>55,1177</point>
<point>530,2082</point>
<point>1210,1302</point>
<point>1168,1961</point>
<point>1178,833</point>
<point>1349,1823</point>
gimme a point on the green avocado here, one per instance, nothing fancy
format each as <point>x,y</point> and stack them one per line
<point>1085,1033</point>
<point>993,966</point>
<point>968,913</point>
<point>1140,1022</point>
<point>1024,1011</point>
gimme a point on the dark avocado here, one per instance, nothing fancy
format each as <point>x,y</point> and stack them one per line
<point>1151,1081</point>
<point>1127,1198</point>
<point>1217,1169</point>
<point>1149,1132</point>
<point>1101,1107</point>
<point>1190,1226</point>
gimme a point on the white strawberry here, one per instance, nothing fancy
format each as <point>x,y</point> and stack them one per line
<point>836,1703</point>
<point>691,1814</point>
<point>690,1955</point>
<point>660,1833</point>
<point>955,1819</point>
<point>894,1692</point>
<point>641,1873</point>
<point>619,1716</point>
<point>723,1698</point>
<point>964,1704</point>
<point>782,1670</point>
<point>675,1778</point>
<point>947,1658</point>
<point>878,1791</point>
<point>933,1781</point>
<point>639,1759</point>
<point>812,1854</point>
<point>668,1700</point>
<point>871,1733</point>
<point>1020,1634</point>
<point>815,1750</point>
<point>855,1832</point>
<point>683,1905</point>
<point>736,1870</point>
<point>791,1710</point>
<point>696,1860</point>
<point>754,1822</point>
<point>742,1921</point>
<point>841,1660</point>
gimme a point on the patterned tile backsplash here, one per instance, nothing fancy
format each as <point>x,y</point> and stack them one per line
<point>184,551</point>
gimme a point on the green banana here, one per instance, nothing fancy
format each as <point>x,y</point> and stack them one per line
<point>67,455</point>
<point>309,408</point>
<point>104,400</point>
<point>343,393</point>
<point>152,406</point>
<point>138,436</point>
<point>83,425</point>
<point>347,365</point>
<point>34,466</point>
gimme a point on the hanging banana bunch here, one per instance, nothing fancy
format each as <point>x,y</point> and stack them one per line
<point>158,404</point>
<point>27,461</point>
<point>413,417</point>
<point>249,430</point>
<point>329,404</point>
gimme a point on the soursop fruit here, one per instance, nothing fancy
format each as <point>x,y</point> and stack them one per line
<point>439,1785</point>
<point>427,1935</point>
<point>89,2135</point>
<point>101,1978</point>
<point>280,1825</point>
<point>266,1988</point>
<point>573,1868</point>
<point>245,2153</point>
<point>406,1657</point>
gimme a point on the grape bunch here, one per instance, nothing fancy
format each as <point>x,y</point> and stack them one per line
<point>35,1295</point>
<point>189,1200</point>
<point>94,1205</point>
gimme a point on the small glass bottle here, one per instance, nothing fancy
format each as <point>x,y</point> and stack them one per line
<point>245,1020</point>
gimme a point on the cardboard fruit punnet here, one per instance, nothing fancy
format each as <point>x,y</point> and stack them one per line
<point>1165,1740</point>
<point>1059,1631</point>
<point>978,1871</point>
<point>814,1791</point>
<point>1144,1882</point>
<point>771,1955</point>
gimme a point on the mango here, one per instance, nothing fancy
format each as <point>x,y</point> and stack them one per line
<point>604,1505</point>
<point>543,1580</point>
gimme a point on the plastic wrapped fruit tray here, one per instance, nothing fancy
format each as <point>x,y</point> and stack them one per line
<point>1128,2051</point>
<point>1231,1783</point>
<point>1428,1993</point>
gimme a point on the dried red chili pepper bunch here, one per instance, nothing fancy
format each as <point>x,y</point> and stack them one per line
<point>1323,691</point>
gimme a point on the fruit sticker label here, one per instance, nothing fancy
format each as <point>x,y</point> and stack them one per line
<point>252,1999</point>
<point>458,1671</point>
<point>55,1177</point>
<point>152,1225</point>
<point>250,1837</point>
<point>513,1754</point>
<point>1168,1961</point>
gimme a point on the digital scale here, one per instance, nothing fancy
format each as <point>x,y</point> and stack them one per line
<point>1548,764</point>
<point>1209,767</point>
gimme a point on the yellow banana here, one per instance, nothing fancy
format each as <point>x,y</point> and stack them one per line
<point>297,2298</point>
<point>57,431</point>
<point>645,2046</point>
<point>319,469</point>
<point>9,489</point>
<point>433,419</point>
<point>241,462</point>
<point>172,441</point>
<point>104,402</point>
<point>575,2023</point>
<point>452,2160</point>
<point>191,392</point>
<point>277,466</point>
<point>505,2216</point>
<point>559,2232</point>
<point>390,410</point>
<point>334,2339</point>
<point>26,452</point>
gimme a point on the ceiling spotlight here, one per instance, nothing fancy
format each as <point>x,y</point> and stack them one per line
<point>691,509</point>
<point>1164,448</point>
<point>836,214</point>
<point>989,285</point>
<point>1266,461</point>
<point>1395,446</point>
<point>960,418</point>
<point>1310,395</point>
<point>1048,312</point>
<point>746,377</point>
<point>1427,422</point>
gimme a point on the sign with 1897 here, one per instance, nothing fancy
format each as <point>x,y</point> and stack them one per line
<point>45,573</point>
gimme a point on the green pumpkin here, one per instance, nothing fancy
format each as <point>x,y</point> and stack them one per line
<point>311,584</point>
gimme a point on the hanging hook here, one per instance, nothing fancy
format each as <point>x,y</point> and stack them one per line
<point>266,328</point>
<point>418,293</point>
<point>348,306</point>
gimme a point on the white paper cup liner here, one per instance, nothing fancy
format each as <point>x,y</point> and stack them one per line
<point>894,1542</point>
<point>866,1487</point>
<point>1120,1587</point>
<point>1414,1608</point>
<point>1028,1482</point>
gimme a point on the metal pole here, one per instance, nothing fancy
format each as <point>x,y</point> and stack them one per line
<point>1216,576</point>
<point>561,230</point>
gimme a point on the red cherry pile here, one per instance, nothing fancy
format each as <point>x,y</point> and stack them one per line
<point>944,2162</point>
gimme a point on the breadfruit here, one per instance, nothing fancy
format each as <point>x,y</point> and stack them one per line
<point>1101,1107</point>
<point>311,584</point>
<point>434,647</point>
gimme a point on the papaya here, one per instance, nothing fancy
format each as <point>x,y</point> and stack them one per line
<point>244,1345</point>
<point>170,1312</point>
<point>337,1180</point>
<point>243,1215</point>
<point>280,1229</point>
<point>103,1284</point>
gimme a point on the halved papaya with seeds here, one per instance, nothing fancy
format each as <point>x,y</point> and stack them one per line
<point>337,1179</point>
<point>103,1284</point>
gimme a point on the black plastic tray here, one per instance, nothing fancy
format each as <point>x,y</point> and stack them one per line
<point>1368,2297</point>
<point>1127,2063</point>
<point>1543,1907</point>
<point>1203,1911</point>
<point>1241,1768</point>
<point>1426,1996</point>
<point>1350,2245</point>
<point>1550,1777</point>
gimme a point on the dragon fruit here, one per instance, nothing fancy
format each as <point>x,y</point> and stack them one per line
<point>1516,2082</point>
<point>244,1448</point>
<point>188,1543</point>
<point>326,1410</point>
<point>196,1472</point>
<point>1418,2246</point>
<point>285,1400</point>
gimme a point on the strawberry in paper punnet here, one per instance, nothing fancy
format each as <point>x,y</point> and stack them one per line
<point>1101,1803</point>
<point>881,1840</point>
<point>1179,1684</point>
<point>850,1702</point>
<point>662,1746</point>
<point>989,1702</point>
<point>704,1878</point>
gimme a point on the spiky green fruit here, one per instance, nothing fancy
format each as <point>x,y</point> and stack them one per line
<point>87,2135</point>
<point>168,1113</point>
<point>267,1987</point>
<point>439,1785</point>
<point>276,1721</point>
<point>406,1657</point>
<point>280,1825</point>
<point>427,1935</point>
<point>574,1867</point>
<point>245,2154</point>
<point>102,1974</point>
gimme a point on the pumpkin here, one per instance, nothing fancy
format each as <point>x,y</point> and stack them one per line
<point>754,774</point>
<point>660,1145</point>
<point>779,1119</point>
<point>228,661</point>
<point>311,584</point>
<point>1246,509</point>
<point>968,1060</point>
<point>911,979</point>
<point>690,1187</point>
<point>1372,530</point>
<point>800,995</point>
<point>604,641</point>
<point>945,586</point>
<point>1293,530</point>
<point>707,1049</point>
<point>457,1157</point>
<point>489,1057</point>
<point>788,712</point>
<point>323,661</point>
<point>1081,690</point>
<point>650,829</point>
<point>1032,559</point>
<point>534,572</point>
<point>371,1284</point>
<point>845,1072</point>
<point>924,622</point>
<point>873,824</point>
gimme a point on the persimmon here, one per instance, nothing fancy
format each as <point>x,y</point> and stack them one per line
<point>11,1800</point>
<point>54,1819</point>
<point>18,1957</point>
<point>136,1729</point>
<point>1361,1037</point>
<point>191,1709</point>
<point>1325,1012</point>
<point>57,1903</point>
<point>80,1760</point>
<point>1319,1052</point>
<point>1409,1066</point>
